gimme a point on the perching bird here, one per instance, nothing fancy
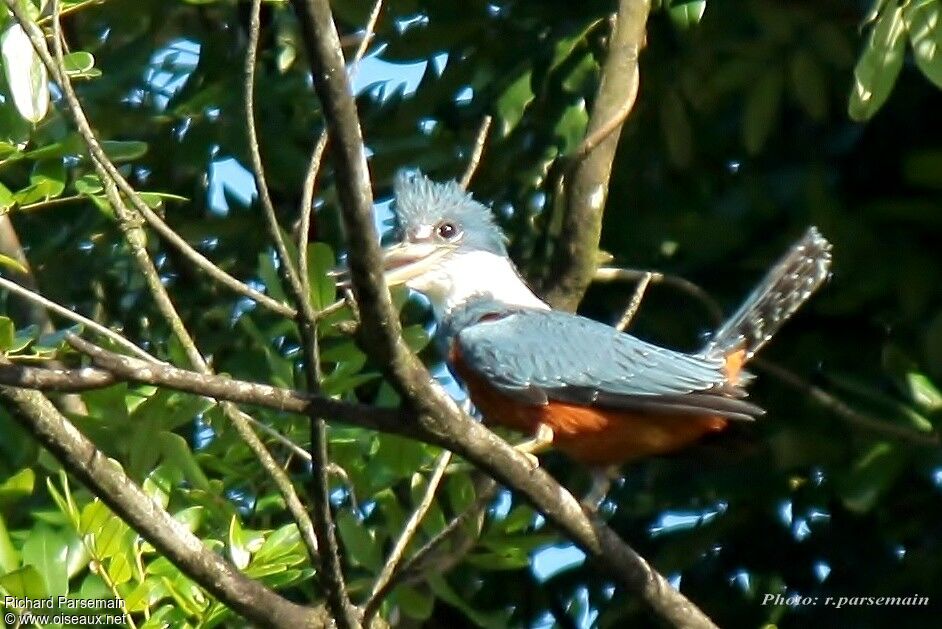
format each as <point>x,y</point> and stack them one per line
<point>601,396</point>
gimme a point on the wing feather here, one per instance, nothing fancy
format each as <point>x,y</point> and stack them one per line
<point>540,355</point>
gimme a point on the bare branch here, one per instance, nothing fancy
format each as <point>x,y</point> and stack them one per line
<point>613,274</point>
<point>475,159</point>
<point>317,155</point>
<point>402,542</point>
<point>625,320</point>
<point>574,259</point>
<point>424,561</point>
<point>843,411</point>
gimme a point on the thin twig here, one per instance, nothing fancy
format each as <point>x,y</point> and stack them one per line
<point>317,155</point>
<point>70,9</point>
<point>615,274</point>
<point>64,312</point>
<point>479,142</point>
<point>842,410</point>
<point>595,138</point>
<point>402,542</point>
<point>419,564</point>
<point>331,567</point>
<point>625,320</point>
<point>307,207</point>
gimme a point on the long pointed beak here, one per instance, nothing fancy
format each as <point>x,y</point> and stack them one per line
<point>404,261</point>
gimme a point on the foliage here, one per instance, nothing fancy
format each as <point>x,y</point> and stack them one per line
<point>746,130</point>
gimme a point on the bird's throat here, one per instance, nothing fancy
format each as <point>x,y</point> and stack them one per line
<point>469,274</point>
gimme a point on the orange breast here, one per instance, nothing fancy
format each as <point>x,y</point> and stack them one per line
<point>590,435</point>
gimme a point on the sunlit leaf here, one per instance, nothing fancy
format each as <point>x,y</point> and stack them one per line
<point>924,23</point>
<point>686,13</point>
<point>879,64</point>
<point>25,73</point>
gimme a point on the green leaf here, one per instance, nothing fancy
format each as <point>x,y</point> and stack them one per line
<point>18,486</point>
<point>88,185</point>
<point>871,476</point>
<point>924,23</point>
<point>282,544</point>
<point>191,517</point>
<point>923,392</point>
<point>761,110</point>
<point>78,63</point>
<point>177,451</point>
<point>414,603</point>
<point>9,558</point>
<point>7,334</point>
<point>686,13</point>
<point>512,104</point>
<point>48,177</point>
<point>46,550</point>
<point>25,73</point>
<point>320,260</point>
<point>359,541</point>
<point>24,337</point>
<point>6,199</point>
<point>123,151</point>
<point>269,275</point>
<point>879,65</point>
<point>24,583</point>
<point>239,546</point>
<point>570,128</point>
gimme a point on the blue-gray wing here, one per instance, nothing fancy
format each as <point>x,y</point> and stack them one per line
<point>540,355</point>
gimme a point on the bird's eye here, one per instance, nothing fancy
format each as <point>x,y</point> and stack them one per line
<point>447,230</point>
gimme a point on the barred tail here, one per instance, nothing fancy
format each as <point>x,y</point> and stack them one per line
<point>783,290</point>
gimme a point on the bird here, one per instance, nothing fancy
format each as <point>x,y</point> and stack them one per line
<point>600,396</point>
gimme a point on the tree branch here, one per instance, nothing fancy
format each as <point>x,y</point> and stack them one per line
<point>402,542</point>
<point>479,142</point>
<point>574,259</point>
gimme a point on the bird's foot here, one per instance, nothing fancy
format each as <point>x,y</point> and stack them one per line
<point>601,483</point>
<point>540,442</point>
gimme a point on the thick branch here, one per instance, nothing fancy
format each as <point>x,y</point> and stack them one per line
<point>586,190</point>
<point>107,480</point>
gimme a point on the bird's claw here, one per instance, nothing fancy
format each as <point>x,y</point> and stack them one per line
<point>540,442</point>
<point>532,460</point>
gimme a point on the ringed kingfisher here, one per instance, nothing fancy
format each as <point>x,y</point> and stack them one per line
<point>601,396</point>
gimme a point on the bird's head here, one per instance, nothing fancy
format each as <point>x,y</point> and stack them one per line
<point>450,246</point>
